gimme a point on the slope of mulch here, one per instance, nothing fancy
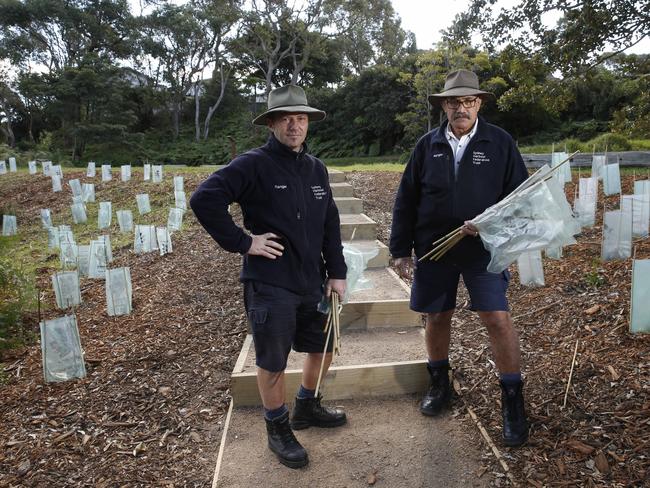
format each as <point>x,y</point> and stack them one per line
<point>150,411</point>
<point>602,436</point>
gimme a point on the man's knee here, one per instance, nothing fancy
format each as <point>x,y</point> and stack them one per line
<point>497,322</point>
<point>439,319</point>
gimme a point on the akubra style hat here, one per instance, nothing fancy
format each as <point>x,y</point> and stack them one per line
<point>459,83</point>
<point>289,98</point>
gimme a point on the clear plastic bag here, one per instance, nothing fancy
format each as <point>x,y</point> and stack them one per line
<point>356,259</point>
<point>535,218</point>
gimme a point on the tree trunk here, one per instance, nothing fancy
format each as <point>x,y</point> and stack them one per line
<point>197,110</point>
<point>213,108</point>
<point>176,123</point>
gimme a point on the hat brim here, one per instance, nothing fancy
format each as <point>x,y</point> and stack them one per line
<point>458,92</point>
<point>313,113</point>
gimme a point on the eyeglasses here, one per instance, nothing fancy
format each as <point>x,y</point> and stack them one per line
<point>454,103</point>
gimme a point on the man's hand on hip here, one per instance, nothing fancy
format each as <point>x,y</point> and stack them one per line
<point>338,286</point>
<point>264,245</point>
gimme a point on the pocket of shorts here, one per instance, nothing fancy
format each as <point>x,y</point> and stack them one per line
<point>257,317</point>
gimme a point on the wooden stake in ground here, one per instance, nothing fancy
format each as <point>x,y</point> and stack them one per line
<point>568,384</point>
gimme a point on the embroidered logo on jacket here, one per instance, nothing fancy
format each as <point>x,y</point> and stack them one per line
<point>319,192</point>
<point>479,157</point>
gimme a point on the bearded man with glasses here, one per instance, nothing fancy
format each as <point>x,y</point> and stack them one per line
<point>455,172</point>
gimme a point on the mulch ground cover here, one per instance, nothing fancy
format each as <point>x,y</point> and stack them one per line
<point>150,411</point>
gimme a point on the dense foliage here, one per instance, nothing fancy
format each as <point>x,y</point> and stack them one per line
<point>85,79</point>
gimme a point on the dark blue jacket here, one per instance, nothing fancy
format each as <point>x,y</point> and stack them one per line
<point>283,192</point>
<point>432,202</point>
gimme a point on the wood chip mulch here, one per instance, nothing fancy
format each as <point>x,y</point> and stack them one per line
<point>151,409</point>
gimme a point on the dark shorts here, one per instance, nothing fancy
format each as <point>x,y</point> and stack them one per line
<point>281,319</point>
<point>435,284</point>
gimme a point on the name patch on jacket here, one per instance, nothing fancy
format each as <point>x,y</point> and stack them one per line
<point>280,187</point>
<point>319,192</point>
<point>479,157</point>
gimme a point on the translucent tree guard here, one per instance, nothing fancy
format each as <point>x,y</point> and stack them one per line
<point>179,200</point>
<point>104,215</point>
<point>91,170</point>
<point>639,207</point>
<point>164,240</point>
<point>144,206</point>
<point>66,289</point>
<point>597,163</point>
<point>68,255</point>
<point>125,172</point>
<point>640,296</point>
<point>617,235</point>
<point>56,183</point>
<point>75,186</point>
<point>175,219</point>
<point>146,170</point>
<point>125,220</point>
<point>79,213</point>
<point>157,171</point>
<point>46,218</point>
<point>531,270</point>
<point>588,188</point>
<point>88,192</point>
<point>83,257</point>
<point>585,212</point>
<point>9,226</point>
<point>106,172</point>
<point>12,165</point>
<point>178,183</point>
<point>611,179</point>
<point>57,170</point>
<point>145,239</point>
<point>642,187</point>
<point>553,252</point>
<point>3,167</point>
<point>47,168</point>
<point>97,261</point>
<point>106,239</point>
<point>118,291</point>
<point>563,175</point>
<point>31,165</point>
<point>61,349</point>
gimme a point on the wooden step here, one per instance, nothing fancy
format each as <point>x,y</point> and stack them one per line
<point>336,176</point>
<point>342,190</point>
<point>349,205</point>
<point>359,225</point>
<point>372,363</point>
<point>382,258</point>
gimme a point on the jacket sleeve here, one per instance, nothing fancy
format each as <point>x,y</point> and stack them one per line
<point>402,232</point>
<point>332,248</point>
<point>210,204</point>
<point>516,171</point>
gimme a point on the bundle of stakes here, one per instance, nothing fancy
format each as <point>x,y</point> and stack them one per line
<point>333,329</point>
<point>445,243</point>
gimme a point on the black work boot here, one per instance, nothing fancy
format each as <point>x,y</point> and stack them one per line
<point>284,444</point>
<point>437,396</point>
<point>309,412</point>
<point>515,424</point>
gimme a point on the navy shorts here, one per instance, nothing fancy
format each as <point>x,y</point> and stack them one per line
<point>435,284</point>
<point>281,319</point>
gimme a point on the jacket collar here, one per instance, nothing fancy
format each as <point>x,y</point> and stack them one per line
<point>276,147</point>
<point>482,132</point>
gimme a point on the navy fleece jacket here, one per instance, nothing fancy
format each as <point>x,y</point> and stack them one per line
<point>432,202</point>
<point>283,192</point>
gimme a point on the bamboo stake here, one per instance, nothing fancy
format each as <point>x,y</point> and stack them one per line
<point>331,328</point>
<point>568,384</point>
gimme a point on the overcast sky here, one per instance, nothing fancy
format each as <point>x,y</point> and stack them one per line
<point>425,18</point>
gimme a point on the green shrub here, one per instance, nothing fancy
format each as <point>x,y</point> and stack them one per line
<point>609,141</point>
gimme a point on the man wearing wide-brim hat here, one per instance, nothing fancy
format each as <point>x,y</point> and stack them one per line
<point>292,260</point>
<point>455,172</point>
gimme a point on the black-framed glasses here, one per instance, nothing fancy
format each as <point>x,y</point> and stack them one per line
<point>454,103</point>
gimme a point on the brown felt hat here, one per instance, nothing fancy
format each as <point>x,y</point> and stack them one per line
<point>459,83</point>
<point>289,98</point>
